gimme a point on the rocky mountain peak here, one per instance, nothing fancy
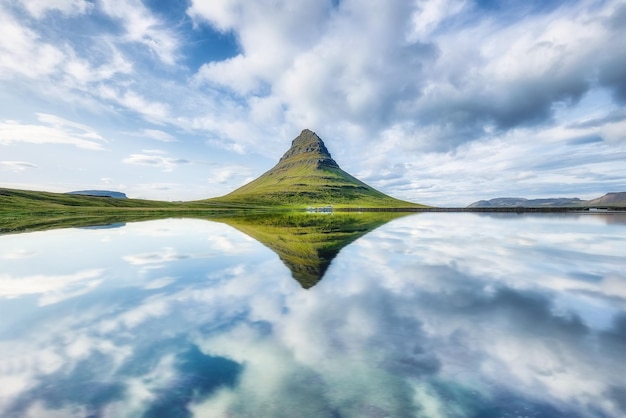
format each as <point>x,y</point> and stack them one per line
<point>307,146</point>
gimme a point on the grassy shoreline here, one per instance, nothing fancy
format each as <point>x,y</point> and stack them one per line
<point>24,211</point>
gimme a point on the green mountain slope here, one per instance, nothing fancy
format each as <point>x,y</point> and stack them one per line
<point>308,176</point>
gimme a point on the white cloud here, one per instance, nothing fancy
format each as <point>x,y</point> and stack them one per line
<point>61,123</point>
<point>166,255</point>
<point>55,130</point>
<point>315,65</point>
<point>18,254</point>
<point>225,174</point>
<point>153,111</point>
<point>153,308</point>
<point>221,13</point>
<point>143,27</point>
<point>155,158</point>
<point>38,8</point>
<point>21,47</point>
<point>228,145</point>
<point>17,166</point>
<point>409,65</point>
<point>430,14</point>
<point>50,288</point>
<point>75,71</point>
<point>271,34</point>
<point>614,132</point>
<point>157,135</point>
<point>80,72</point>
<point>160,282</point>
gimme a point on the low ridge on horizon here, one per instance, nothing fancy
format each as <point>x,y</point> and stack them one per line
<point>609,199</point>
<point>307,175</point>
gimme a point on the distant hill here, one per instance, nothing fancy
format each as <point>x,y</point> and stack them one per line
<point>307,175</point>
<point>101,193</point>
<point>609,199</point>
<point>508,202</point>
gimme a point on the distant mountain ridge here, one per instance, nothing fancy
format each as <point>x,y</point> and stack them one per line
<point>100,193</point>
<point>618,199</point>
<point>308,175</point>
<point>609,199</point>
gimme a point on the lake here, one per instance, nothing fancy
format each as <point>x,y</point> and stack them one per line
<point>425,315</point>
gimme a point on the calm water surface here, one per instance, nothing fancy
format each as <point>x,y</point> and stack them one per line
<point>429,315</point>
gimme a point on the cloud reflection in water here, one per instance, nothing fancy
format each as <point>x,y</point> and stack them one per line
<point>433,315</point>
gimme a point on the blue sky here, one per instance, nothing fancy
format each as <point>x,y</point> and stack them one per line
<point>441,102</point>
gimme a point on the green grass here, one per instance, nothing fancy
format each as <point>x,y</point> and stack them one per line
<point>23,210</point>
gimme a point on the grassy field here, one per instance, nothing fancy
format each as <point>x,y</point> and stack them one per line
<point>292,185</point>
<point>23,210</point>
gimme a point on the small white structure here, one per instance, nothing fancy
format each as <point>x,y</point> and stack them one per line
<point>322,209</point>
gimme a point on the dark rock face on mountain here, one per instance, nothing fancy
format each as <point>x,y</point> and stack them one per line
<point>512,202</point>
<point>307,147</point>
<point>307,175</point>
<point>100,193</point>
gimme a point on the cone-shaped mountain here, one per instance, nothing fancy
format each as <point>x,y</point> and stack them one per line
<point>307,175</point>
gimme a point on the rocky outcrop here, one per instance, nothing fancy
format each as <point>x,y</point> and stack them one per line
<point>306,148</point>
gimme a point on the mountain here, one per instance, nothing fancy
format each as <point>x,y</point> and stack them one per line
<point>609,199</point>
<point>307,175</point>
<point>100,193</point>
<point>508,202</point>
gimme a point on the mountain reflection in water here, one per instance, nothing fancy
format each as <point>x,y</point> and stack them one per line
<point>307,243</point>
<point>432,315</point>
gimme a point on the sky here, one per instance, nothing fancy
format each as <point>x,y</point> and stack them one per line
<point>442,102</point>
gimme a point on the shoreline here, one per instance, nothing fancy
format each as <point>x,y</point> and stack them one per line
<point>602,210</point>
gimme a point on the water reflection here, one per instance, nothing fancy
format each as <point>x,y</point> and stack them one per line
<point>307,243</point>
<point>434,315</point>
